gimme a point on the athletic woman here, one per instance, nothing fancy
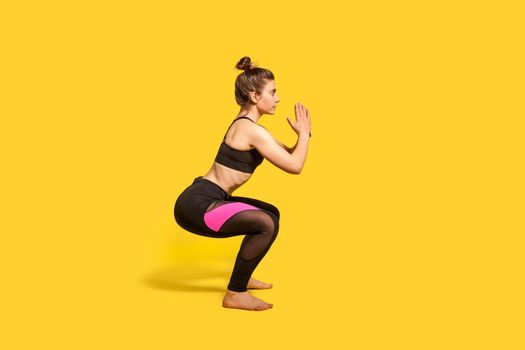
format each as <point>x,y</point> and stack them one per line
<point>208,208</point>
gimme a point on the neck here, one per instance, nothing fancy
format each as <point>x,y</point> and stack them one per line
<point>251,112</point>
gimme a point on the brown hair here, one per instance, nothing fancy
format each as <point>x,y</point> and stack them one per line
<point>252,79</point>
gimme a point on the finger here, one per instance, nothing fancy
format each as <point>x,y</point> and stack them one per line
<point>307,113</point>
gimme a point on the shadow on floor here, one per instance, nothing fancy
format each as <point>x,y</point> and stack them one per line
<point>195,264</point>
<point>190,277</point>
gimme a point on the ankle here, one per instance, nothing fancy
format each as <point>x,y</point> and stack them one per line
<point>232,292</point>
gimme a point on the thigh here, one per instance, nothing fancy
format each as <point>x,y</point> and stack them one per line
<point>232,218</point>
<point>257,203</point>
<point>219,212</point>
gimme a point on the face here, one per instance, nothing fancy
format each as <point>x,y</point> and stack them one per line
<point>268,99</point>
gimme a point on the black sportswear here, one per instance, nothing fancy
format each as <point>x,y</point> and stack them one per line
<point>245,161</point>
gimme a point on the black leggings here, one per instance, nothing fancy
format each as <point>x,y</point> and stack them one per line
<point>204,208</point>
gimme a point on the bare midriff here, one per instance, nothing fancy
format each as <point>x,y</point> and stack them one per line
<point>228,179</point>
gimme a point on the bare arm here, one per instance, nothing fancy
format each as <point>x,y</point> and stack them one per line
<point>278,155</point>
<point>283,146</point>
<point>288,149</point>
<point>293,148</point>
<point>300,149</point>
<point>288,159</point>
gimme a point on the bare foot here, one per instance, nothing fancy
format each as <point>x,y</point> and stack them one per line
<point>244,301</point>
<point>256,284</point>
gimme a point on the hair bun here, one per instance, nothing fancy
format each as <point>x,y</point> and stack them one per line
<point>244,63</point>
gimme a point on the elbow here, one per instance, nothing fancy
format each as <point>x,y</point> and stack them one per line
<point>293,167</point>
<point>293,171</point>
<point>297,170</point>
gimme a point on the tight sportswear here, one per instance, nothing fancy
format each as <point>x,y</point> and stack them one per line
<point>204,208</point>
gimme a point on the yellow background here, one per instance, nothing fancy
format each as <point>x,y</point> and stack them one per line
<point>404,231</point>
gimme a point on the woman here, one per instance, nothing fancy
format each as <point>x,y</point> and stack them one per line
<point>208,208</point>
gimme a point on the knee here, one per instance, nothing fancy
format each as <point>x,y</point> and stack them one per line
<point>274,223</point>
<point>268,223</point>
<point>275,211</point>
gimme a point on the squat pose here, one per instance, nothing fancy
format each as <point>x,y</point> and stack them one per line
<point>208,208</point>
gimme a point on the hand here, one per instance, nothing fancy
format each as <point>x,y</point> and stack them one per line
<point>302,120</point>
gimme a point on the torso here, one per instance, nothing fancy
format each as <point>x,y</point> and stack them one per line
<point>230,179</point>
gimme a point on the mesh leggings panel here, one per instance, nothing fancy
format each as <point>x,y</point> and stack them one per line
<point>260,227</point>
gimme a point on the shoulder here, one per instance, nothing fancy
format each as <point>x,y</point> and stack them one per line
<point>257,129</point>
<point>259,134</point>
<point>251,128</point>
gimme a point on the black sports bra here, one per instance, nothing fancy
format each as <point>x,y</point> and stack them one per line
<point>245,161</point>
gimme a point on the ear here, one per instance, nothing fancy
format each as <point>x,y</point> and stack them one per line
<point>254,97</point>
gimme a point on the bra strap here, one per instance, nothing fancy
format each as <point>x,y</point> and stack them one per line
<point>224,138</point>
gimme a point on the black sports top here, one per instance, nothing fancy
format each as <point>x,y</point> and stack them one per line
<point>245,161</point>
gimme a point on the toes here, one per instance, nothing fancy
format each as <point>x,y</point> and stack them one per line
<point>264,307</point>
